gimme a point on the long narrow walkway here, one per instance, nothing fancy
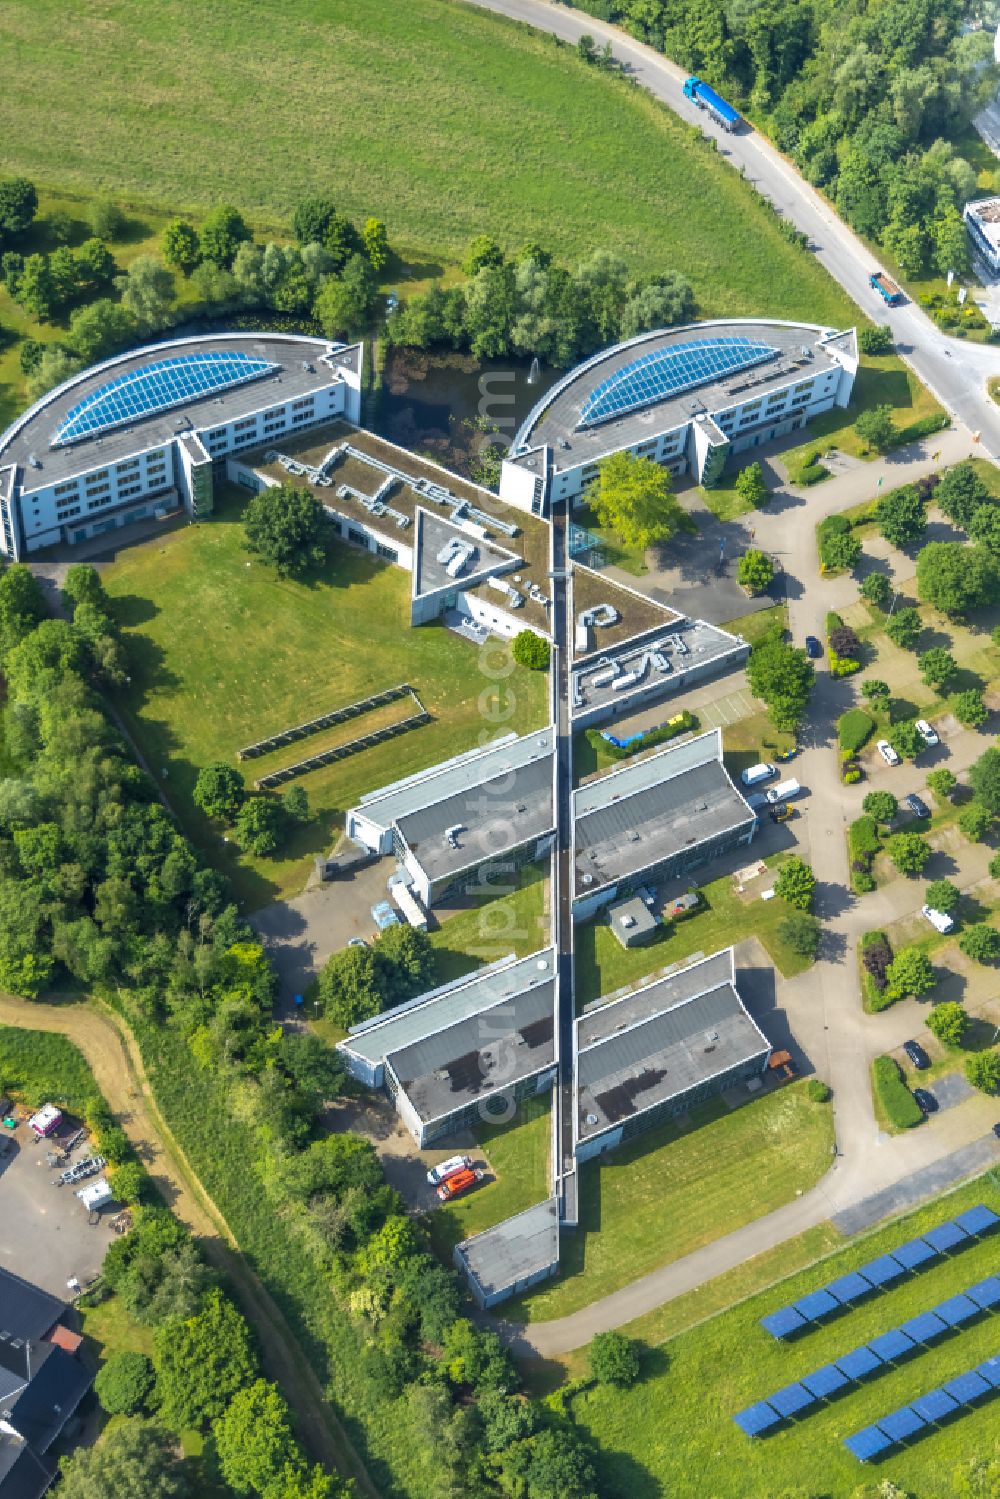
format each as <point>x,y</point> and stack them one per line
<point>562,901</point>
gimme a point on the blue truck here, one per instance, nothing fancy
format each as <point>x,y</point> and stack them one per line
<point>887,290</point>
<point>706,98</point>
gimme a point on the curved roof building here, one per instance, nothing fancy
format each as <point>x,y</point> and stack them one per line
<point>145,433</point>
<point>686,397</point>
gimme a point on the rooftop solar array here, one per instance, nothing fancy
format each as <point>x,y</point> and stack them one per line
<point>914,1255</point>
<point>914,1419</point>
<point>669,372</point>
<point>158,387</point>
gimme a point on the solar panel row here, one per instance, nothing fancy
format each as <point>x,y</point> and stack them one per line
<point>158,387</point>
<point>912,1420</point>
<point>914,1255</point>
<point>669,372</point>
<point>872,1358</point>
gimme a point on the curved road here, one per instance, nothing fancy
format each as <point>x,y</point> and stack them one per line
<point>955,371</point>
<point>113,1057</point>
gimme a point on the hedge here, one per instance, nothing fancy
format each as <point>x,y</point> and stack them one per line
<point>862,836</point>
<point>854,729</point>
<point>681,723</point>
<point>923,427</point>
<point>876,999</point>
<point>898,1104</point>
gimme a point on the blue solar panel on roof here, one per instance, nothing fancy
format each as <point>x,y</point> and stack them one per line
<point>881,1271</point>
<point>902,1423</point>
<point>978,1220</point>
<point>782,1322</point>
<point>859,1362</point>
<point>956,1310</point>
<point>946,1236</point>
<point>891,1345</point>
<point>791,1399</point>
<point>668,372</point>
<point>965,1388</point>
<point>915,1252</point>
<point>985,1293</point>
<point>935,1405</point>
<point>925,1327</point>
<point>817,1304</point>
<point>850,1287</point>
<point>868,1443</point>
<point>757,1418</point>
<point>825,1381</point>
<point>158,387</point>
<point>990,1371</point>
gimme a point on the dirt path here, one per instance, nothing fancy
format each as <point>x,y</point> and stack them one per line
<point>113,1057</point>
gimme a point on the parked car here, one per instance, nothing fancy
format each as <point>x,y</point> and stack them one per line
<point>926,1102</point>
<point>455,1186</point>
<point>757,800</point>
<point>450,1167</point>
<point>996,1130</point>
<point>783,792</point>
<point>939,920</point>
<point>357,942</point>
<point>813,647</point>
<point>887,752</point>
<point>917,1055</point>
<point>917,807</point>
<point>926,733</point>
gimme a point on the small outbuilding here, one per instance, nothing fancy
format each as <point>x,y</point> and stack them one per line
<point>519,1252</point>
<point>632,922</point>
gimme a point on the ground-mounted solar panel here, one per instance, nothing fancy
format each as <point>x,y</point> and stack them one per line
<point>946,1236</point>
<point>990,1371</point>
<point>914,1253</point>
<point>159,386</point>
<point>816,1305</point>
<point>783,1322</point>
<point>925,1327</point>
<point>826,1381</point>
<point>791,1399</point>
<point>967,1388</point>
<point>978,1220</point>
<point>902,1424</point>
<point>859,1363</point>
<point>891,1345</point>
<point>667,372</point>
<point>757,1419</point>
<point>850,1287</point>
<point>883,1271</point>
<point>869,1443</point>
<point>985,1293</point>
<point>936,1405</point>
<point>957,1310</point>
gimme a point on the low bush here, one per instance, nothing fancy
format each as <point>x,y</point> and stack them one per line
<point>876,955</point>
<point>681,723</point>
<point>895,1099</point>
<point>923,427</point>
<point>862,836</point>
<point>531,650</point>
<point>817,1091</point>
<point>811,473</point>
<point>125,1383</point>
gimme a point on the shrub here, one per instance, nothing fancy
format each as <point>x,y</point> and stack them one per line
<point>854,729</point>
<point>942,783</point>
<point>863,836</point>
<point>796,883</point>
<point>811,473</point>
<point>910,972</point>
<point>876,340</point>
<point>980,942</point>
<point>124,1383</point>
<point>614,1360</point>
<point>817,1091</point>
<point>904,628</point>
<point>948,1022</point>
<point>897,1102</point>
<point>983,1071</point>
<point>908,851</point>
<point>881,805</point>
<point>531,650</point>
<point>681,723</point>
<point>876,589</point>
<point>800,931</point>
<point>970,708</point>
<point>876,955</point>
<point>975,821</point>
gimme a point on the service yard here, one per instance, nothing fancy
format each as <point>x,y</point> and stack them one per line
<point>45,1235</point>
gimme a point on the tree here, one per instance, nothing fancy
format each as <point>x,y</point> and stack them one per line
<point>667,300</point>
<point>960,494</point>
<point>840,551</point>
<point>910,972</point>
<point>943,896</point>
<point>985,527</point>
<point>981,943</point>
<point>214,286</point>
<point>147,290</point>
<point>482,251</point>
<point>948,1022</point>
<point>254,1439</point>
<point>613,1359</point>
<point>180,246</point>
<point>906,739</point>
<point>876,694</point>
<point>259,825</point>
<point>343,304</point>
<point>938,667</point>
<point>18,205</point>
<point>970,708</point>
<point>800,932</point>
<point>202,1362</point>
<point>877,590</point>
<point>983,1071</point>
<point>905,627</point>
<point>942,783</point>
<point>881,805</point>
<point>404,962</point>
<point>375,238</point>
<point>531,650</point>
<point>222,233</point>
<point>956,578</point>
<point>36,288</point>
<point>350,987</point>
<point>488,317</point>
<point>782,676</point>
<point>552,1465</point>
<point>796,883</point>
<point>95,266</point>
<point>82,585</point>
<point>219,791</point>
<point>975,821</point>
<point>312,218</point>
<point>124,1383</point>
<point>908,851</point>
<point>750,486</point>
<point>950,240</point>
<point>755,571</point>
<point>296,804</point>
<point>875,428</point>
<point>877,340</point>
<point>101,328</point>
<point>631,496</point>
<point>900,516</point>
<point>135,1460</point>
<point>984,778</point>
<point>107,220</point>
<point>287,528</point>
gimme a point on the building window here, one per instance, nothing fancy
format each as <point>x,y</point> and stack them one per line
<point>95,489</point>
<point>131,467</point>
<point>360,537</point>
<point>250,421</point>
<point>387,552</point>
<point>62,515</point>
<point>301,405</point>
<point>70,488</point>
<point>127,493</point>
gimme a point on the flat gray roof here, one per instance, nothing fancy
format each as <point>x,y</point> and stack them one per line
<point>435,537</point>
<point>555,419</point>
<point>632,918</point>
<point>444,1007</point>
<point>291,380</point>
<point>685,646</point>
<point>515,1250</point>
<point>606,1017</point>
<point>638,816</point>
<point>665,1045</point>
<point>479,1055</point>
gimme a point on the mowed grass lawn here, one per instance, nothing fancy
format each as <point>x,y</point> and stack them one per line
<point>224,652</point>
<point>500,921</point>
<point>441,119</point>
<point>676,1423</point>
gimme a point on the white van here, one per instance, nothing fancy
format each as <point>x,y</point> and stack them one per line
<point>939,920</point>
<point>783,792</point>
<point>754,774</point>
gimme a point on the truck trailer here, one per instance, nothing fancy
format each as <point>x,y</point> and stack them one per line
<point>887,289</point>
<point>706,98</point>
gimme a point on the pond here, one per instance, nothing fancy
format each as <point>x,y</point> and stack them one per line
<point>443,405</point>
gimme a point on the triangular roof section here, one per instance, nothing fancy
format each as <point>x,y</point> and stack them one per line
<point>596,598</point>
<point>449,556</point>
<point>844,344</point>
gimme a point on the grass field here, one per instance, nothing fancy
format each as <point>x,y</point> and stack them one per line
<point>500,922</point>
<point>677,1188</point>
<point>224,652</point>
<point>442,120</point>
<point>676,1422</point>
<point>37,1067</point>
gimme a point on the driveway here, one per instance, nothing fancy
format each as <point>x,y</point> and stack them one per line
<point>45,1235</point>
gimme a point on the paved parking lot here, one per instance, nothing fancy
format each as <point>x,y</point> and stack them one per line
<point>44,1233</point>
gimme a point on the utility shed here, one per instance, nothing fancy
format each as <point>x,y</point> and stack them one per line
<point>518,1253</point>
<point>632,922</point>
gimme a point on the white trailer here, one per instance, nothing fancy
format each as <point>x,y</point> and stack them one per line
<point>409,905</point>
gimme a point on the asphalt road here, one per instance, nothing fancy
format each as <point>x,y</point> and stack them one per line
<point>955,371</point>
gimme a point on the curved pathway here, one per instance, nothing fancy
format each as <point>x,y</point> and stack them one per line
<point>955,371</point>
<point>113,1057</point>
